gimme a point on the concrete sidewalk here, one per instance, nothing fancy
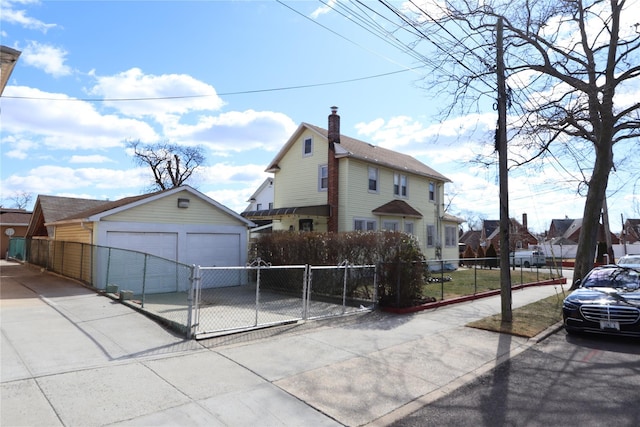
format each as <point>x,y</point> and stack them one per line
<point>72,357</point>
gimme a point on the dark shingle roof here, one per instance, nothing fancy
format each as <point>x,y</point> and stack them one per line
<point>374,154</point>
<point>397,207</point>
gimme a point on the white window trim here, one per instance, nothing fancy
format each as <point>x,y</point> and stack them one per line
<point>413,228</point>
<point>304,145</point>
<point>366,222</point>
<point>320,187</point>
<point>377,190</point>
<point>395,223</point>
<point>399,177</point>
<point>454,235</point>
<point>433,239</point>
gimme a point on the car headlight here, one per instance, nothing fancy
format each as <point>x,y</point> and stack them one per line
<point>569,304</point>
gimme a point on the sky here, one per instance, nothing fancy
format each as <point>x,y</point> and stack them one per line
<point>237,78</point>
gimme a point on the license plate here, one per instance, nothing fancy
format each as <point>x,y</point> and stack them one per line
<point>605,324</point>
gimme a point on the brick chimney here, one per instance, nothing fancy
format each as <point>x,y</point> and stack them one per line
<point>333,137</point>
<point>524,222</point>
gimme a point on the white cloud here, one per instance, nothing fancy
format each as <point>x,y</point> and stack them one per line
<point>190,94</point>
<point>60,122</point>
<point>95,158</point>
<point>323,9</point>
<point>42,179</point>
<point>48,58</point>
<point>237,131</point>
<point>12,15</point>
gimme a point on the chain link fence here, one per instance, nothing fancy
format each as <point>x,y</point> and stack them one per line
<point>207,301</point>
<point>230,299</point>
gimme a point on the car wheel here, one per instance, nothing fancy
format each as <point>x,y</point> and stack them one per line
<point>526,264</point>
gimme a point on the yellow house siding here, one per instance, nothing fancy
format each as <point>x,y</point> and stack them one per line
<point>74,232</point>
<point>357,202</point>
<point>166,211</point>
<point>296,183</point>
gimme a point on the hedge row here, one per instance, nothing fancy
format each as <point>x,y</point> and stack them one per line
<point>402,271</point>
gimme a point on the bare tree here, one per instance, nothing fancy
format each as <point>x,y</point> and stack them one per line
<point>572,66</point>
<point>171,164</point>
<point>20,200</point>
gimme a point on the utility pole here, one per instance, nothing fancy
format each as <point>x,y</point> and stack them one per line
<point>501,145</point>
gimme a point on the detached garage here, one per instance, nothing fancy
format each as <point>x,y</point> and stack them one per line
<point>180,224</point>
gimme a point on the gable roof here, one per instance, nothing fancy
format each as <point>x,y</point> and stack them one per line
<point>397,207</point>
<point>51,210</point>
<point>356,149</point>
<point>14,217</point>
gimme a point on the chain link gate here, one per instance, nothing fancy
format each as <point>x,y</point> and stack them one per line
<point>233,299</point>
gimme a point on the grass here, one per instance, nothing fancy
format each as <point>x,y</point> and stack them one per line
<point>470,281</point>
<point>527,321</point>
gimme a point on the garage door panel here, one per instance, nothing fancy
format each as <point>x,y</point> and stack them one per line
<point>164,245</point>
<point>213,250</point>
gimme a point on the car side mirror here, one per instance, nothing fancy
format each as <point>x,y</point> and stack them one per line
<point>577,283</point>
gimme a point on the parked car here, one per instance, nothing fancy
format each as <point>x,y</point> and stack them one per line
<point>607,301</point>
<point>438,267</point>
<point>630,261</point>
<point>527,259</point>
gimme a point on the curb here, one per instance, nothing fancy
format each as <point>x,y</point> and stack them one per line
<point>442,303</point>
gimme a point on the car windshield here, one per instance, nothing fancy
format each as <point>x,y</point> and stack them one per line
<point>613,278</point>
<point>629,259</point>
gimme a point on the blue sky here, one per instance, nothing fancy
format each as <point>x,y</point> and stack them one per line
<point>90,75</point>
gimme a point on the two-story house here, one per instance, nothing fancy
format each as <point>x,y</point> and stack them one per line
<point>328,182</point>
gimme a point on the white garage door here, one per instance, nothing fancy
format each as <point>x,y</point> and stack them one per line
<point>213,250</point>
<point>164,245</point>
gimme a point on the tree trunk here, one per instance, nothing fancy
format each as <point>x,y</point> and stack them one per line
<point>592,208</point>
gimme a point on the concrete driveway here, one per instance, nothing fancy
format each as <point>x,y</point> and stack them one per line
<point>73,357</point>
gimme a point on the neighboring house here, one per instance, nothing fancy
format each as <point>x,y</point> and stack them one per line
<point>262,198</point>
<point>519,235</point>
<point>8,59</point>
<point>179,224</point>
<point>13,223</point>
<point>470,239</point>
<point>567,232</point>
<point>631,231</point>
<point>328,182</point>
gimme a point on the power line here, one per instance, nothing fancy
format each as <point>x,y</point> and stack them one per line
<point>244,92</point>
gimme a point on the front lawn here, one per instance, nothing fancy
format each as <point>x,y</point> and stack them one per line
<point>471,281</point>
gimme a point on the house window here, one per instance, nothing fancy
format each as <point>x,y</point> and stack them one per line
<point>431,235</point>
<point>305,225</point>
<point>373,180</point>
<point>450,236</point>
<point>432,192</point>
<point>399,185</point>
<point>323,178</point>
<point>259,206</point>
<point>307,147</point>
<point>408,227</point>
<point>270,205</point>
<point>364,224</point>
<point>390,225</point>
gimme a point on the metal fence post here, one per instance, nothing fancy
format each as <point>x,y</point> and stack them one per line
<point>306,291</point>
<point>193,283</point>
<point>344,264</point>
<point>144,280</point>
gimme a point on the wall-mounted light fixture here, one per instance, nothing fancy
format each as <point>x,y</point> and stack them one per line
<point>183,203</point>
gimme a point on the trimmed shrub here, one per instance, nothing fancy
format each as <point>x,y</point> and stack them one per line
<point>492,257</point>
<point>403,271</point>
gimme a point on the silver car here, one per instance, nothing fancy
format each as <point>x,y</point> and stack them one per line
<point>632,261</point>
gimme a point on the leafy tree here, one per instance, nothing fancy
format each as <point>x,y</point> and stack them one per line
<point>572,69</point>
<point>171,164</point>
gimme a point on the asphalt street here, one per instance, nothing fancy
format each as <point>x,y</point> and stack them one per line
<point>563,380</point>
